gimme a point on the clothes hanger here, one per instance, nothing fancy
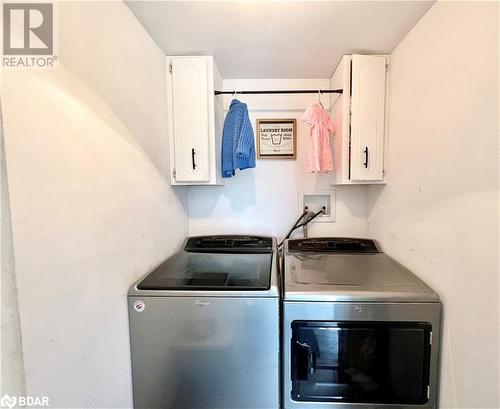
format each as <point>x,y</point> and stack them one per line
<point>319,99</point>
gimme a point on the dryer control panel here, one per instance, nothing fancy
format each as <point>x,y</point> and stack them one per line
<point>333,245</point>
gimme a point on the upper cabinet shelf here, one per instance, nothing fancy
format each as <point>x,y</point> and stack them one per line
<point>195,118</point>
<point>359,114</point>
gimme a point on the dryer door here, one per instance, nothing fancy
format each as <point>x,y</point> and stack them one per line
<point>360,355</point>
<point>360,362</point>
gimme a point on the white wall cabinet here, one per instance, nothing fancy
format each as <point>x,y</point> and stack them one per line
<point>195,118</point>
<point>359,114</point>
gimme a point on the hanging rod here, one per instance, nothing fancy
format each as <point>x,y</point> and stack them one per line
<point>283,91</point>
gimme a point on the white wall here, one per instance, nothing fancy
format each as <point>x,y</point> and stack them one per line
<point>439,213</point>
<point>106,47</point>
<point>91,207</point>
<point>265,200</point>
<point>11,359</point>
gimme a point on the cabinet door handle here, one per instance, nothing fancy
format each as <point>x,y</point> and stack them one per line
<point>365,164</point>
<point>192,158</point>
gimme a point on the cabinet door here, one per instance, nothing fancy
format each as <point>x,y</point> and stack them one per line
<point>190,118</point>
<point>367,117</point>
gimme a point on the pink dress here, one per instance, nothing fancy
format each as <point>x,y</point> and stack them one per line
<point>319,157</point>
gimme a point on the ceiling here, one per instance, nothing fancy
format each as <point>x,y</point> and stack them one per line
<point>277,39</point>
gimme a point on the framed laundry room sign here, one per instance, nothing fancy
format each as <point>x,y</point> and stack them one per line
<point>276,138</point>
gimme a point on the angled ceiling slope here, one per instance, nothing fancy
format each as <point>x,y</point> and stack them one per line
<point>285,39</point>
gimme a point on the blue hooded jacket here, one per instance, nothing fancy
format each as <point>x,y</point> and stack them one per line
<point>238,144</point>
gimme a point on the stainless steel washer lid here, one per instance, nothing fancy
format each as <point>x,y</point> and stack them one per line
<point>316,271</point>
<point>215,266</point>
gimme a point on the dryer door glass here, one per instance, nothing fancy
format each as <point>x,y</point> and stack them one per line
<point>360,362</point>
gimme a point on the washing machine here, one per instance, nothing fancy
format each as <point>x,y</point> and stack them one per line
<point>204,327</point>
<point>359,329</point>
